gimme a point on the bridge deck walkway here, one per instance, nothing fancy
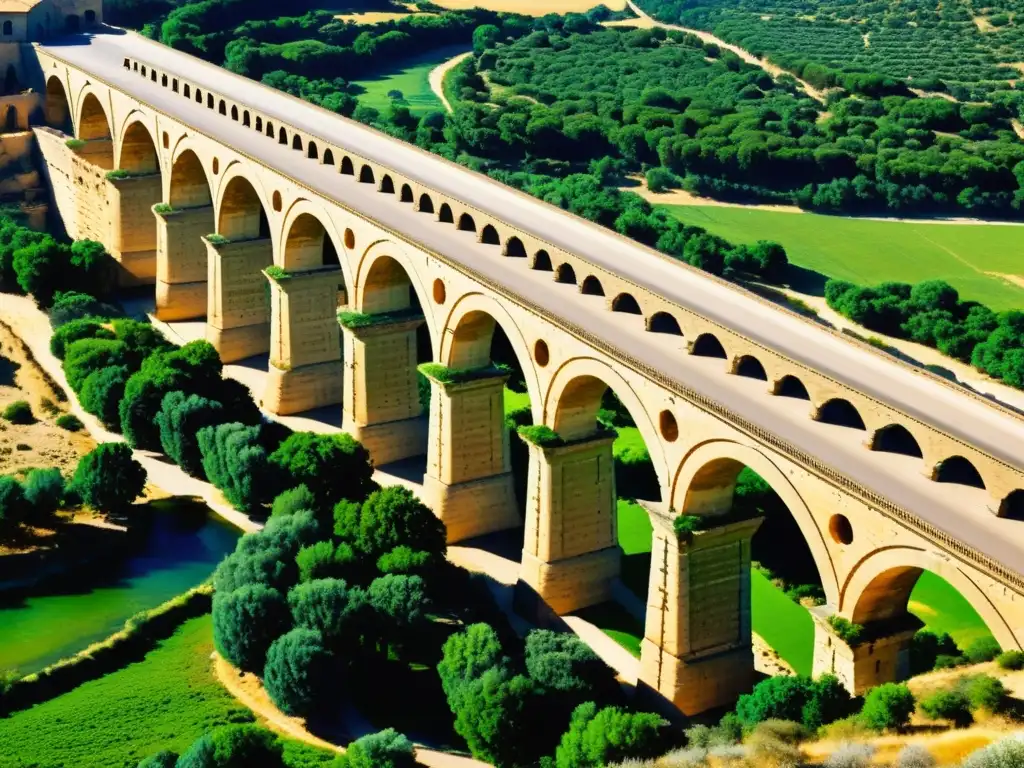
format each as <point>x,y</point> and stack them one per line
<point>958,511</point>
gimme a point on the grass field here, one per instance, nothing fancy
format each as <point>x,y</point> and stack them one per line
<point>164,701</point>
<point>970,257</point>
<point>785,626</point>
<point>532,7</point>
<point>410,76</point>
<point>943,609</point>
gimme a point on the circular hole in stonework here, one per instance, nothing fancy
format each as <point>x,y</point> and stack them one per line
<point>350,239</point>
<point>439,291</point>
<point>541,353</point>
<point>216,166</point>
<point>277,202</point>
<point>668,426</point>
<point>840,528</point>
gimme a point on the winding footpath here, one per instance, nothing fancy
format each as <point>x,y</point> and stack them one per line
<point>437,78</point>
<point>707,37</point>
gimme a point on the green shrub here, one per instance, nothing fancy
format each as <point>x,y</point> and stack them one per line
<point>984,692</point>
<point>293,500</point>
<point>541,435</point>
<point>72,331</point>
<point>813,703</point>
<point>948,705</point>
<point>687,525</point>
<point>42,268</point>
<point>982,649</point>
<point>332,608</point>
<point>180,418</point>
<point>101,394</point>
<point>325,560</point>
<point>389,518</point>
<point>385,749</point>
<point>246,622</point>
<point>44,490</point>
<point>234,746</point>
<point>888,707</point>
<point>19,412</point>
<point>1010,660</point>
<point>268,556</point>
<point>333,467</point>
<point>925,648</point>
<point>408,561</point>
<point>70,422</point>
<point>846,630</point>
<point>661,179</point>
<point>298,671</point>
<point>609,736</point>
<point>72,305</point>
<point>13,506</point>
<point>93,269</point>
<point>86,356</point>
<point>109,478</point>
<point>162,759</point>
<point>946,661</point>
<point>399,603</point>
<point>235,461</point>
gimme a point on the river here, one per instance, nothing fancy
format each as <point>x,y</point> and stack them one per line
<point>180,550</point>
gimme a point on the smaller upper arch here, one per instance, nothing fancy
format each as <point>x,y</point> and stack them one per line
<point>750,367</point>
<point>895,438</point>
<point>387,185</point>
<point>708,345</point>
<point>209,101</point>
<point>426,205</point>
<point>591,286</point>
<point>959,470</point>
<point>489,235</point>
<point>222,108</point>
<point>270,130</point>
<point>406,196</point>
<point>791,386</point>
<point>466,223</point>
<point>234,112</point>
<point>311,151</point>
<point>565,274</point>
<point>840,412</point>
<point>347,167</point>
<point>514,248</point>
<point>664,322</point>
<point>282,136</point>
<point>627,303</point>
<point>297,142</point>
<point>444,215</point>
<point>541,261</point>
<point>328,158</point>
<point>1012,506</point>
<point>366,175</point>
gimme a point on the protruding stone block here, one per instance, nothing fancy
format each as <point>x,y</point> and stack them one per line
<point>238,308</point>
<point>382,407</point>
<point>468,482</point>
<point>882,655</point>
<point>696,652</point>
<point>181,262</point>
<point>305,349</point>
<point>570,553</point>
<point>133,230</point>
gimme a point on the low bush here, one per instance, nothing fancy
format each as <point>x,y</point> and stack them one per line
<point>245,623</point>
<point>70,422</point>
<point>72,305</point>
<point>982,649</point>
<point>86,356</point>
<point>180,418</point>
<point>847,631</point>
<point>984,692</point>
<point>1010,660</point>
<point>44,491</point>
<point>19,412</point>
<point>101,394</point>
<point>914,756</point>
<point>1005,753</point>
<point>385,749</point>
<point>70,332</point>
<point>109,478</point>
<point>888,707</point>
<point>851,756</point>
<point>297,672</point>
<point>333,467</point>
<point>234,745</point>
<point>236,461</point>
<point>609,736</point>
<point>13,506</point>
<point>948,705</point>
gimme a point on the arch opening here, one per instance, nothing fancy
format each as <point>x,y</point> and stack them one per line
<point>366,175</point>
<point>57,108</point>
<point>222,107</point>
<point>466,223</point>
<point>591,286</point>
<point>234,113</point>
<point>312,153</point>
<point>958,470</point>
<point>626,303</point>
<point>242,215</point>
<point>328,157</point>
<point>387,186</point>
<point>663,322</point>
<point>791,386</point>
<point>93,124</point>
<point>309,246</point>
<point>514,248</point>
<point>297,142</point>
<point>346,166</point>
<point>541,261</point>
<point>565,274</point>
<point>189,185</point>
<point>406,196</point>
<point>750,367</point>
<point>708,345</point>
<point>896,438</point>
<point>282,136</point>
<point>1012,506</point>
<point>841,413</point>
<point>138,151</point>
<point>426,205</point>
<point>489,235</point>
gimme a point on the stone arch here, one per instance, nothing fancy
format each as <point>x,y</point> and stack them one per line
<point>246,119</point>
<point>387,185</point>
<point>426,205</point>
<point>574,396</point>
<point>297,142</point>
<point>234,112</point>
<point>627,304</point>
<point>895,438</point>
<point>514,248</point>
<point>591,286</point>
<point>565,274</point>
<point>840,412</point>
<point>466,341</point>
<point>311,151</point>
<point>406,196</point>
<point>346,166</point>
<point>311,241</point>
<point>241,208</point>
<point>189,186</point>
<point>541,261</point>
<point>466,223</point>
<point>386,280</point>
<point>444,215</point>
<point>137,150</point>
<point>199,96</point>
<point>57,107</point>
<point>879,587</point>
<point>791,386</point>
<point>93,122</point>
<point>366,175</point>
<point>489,235</point>
<point>664,322</point>
<point>270,130</point>
<point>209,101</point>
<point>708,345</point>
<point>282,136</point>
<point>328,157</point>
<point>222,107</point>
<point>1012,506</point>
<point>750,367</point>
<point>711,468</point>
<point>959,470</point>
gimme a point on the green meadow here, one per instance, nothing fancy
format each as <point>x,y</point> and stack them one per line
<point>971,257</point>
<point>412,77</point>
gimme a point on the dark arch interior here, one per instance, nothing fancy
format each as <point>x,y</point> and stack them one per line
<point>346,166</point>
<point>466,223</point>
<point>57,109</point>
<point>489,236</point>
<point>387,186</point>
<point>957,469</point>
<point>445,215</point>
<point>542,261</point>
<point>565,274</point>
<point>311,151</point>
<point>366,175</point>
<point>791,386</point>
<point>1012,506</point>
<point>663,322</point>
<point>708,345</point>
<point>592,286</point>
<point>514,248</point>
<point>328,157</point>
<point>426,204</point>
<point>297,142</point>
<point>840,412</point>
<point>234,112</point>
<point>406,194</point>
<point>625,302</point>
<point>896,438</point>
<point>751,368</point>
<point>282,136</point>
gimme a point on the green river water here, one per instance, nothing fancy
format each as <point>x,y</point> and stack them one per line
<point>180,550</point>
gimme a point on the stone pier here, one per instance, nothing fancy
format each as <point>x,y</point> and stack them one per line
<point>382,404</point>
<point>880,655</point>
<point>571,554</point>
<point>238,305</point>
<point>133,230</point>
<point>468,482</point>
<point>696,653</point>
<point>181,268</point>
<point>305,346</point>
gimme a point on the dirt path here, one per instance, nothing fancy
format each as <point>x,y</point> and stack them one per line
<point>437,78</point>
<point>748,57</point>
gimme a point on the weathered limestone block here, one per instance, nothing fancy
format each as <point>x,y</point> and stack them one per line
<point>570,552</point>
<point>468,482</point>
<point>382,407</point>
<point>99,152</point>
<point>133,228</point>
<point>881,656</point>
<point>305,349</point>
<point>181,268</point>
<point>238,308</point>
<point>696,651</point>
